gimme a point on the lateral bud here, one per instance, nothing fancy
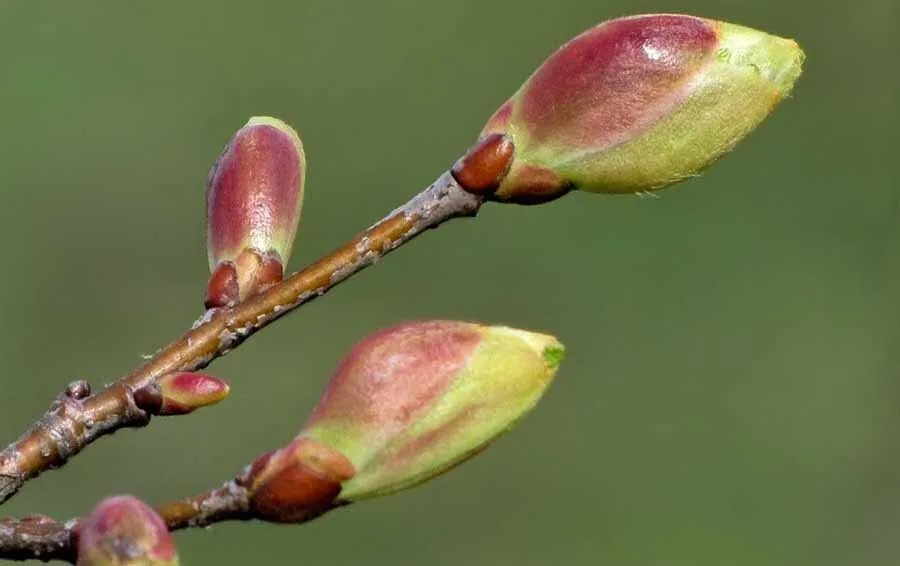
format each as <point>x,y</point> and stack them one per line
<point>634,104</point>
<point>125,531</point>
<point>254,199</point>
<point>407,404</point>
<point>185,392</point>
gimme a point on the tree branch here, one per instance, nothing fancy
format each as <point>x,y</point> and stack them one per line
<point>76,420</point>
<point>37,538</point>
<point>43,538</point>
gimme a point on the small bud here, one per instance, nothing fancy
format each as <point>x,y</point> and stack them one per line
<point>78,390</point>
<point>124,531</point>
<point>408,403</point>
<point>636,104</point>
<point>148,398</point>
<point>185,392</point>
<point>254,197</point>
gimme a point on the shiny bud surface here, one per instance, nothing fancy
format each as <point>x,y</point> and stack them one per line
<point>254,201</point>
<point>407,404</point>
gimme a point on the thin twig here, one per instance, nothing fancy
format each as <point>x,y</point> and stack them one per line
<point>227,503</point>
<point>72,423</point>
<point>37,538</point>
<point>43,538</point>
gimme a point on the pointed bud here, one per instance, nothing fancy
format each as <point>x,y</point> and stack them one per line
<point>185,392</point>
<point>124,531</point>
<point>634,104</point>
<point>408,403</point>
<point>254,197</point>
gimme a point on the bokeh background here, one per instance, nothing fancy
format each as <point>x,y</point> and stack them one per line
<point>732,387</point>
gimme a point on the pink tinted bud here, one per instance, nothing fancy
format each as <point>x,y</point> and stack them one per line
<point>185,392</point>
<point>297,482</point>
<point>254,200</point>
<point>408,403</point>
<point>124,531</point>
<point>636,104</point>
<point>414,400</point>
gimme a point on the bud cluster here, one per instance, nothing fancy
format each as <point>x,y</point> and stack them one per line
<point>634,104</point>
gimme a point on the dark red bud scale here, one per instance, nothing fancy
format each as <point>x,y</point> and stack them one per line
<point>251,271</point>
<point>222,289</point>
<point>486,163</point>
<point>298,482</point>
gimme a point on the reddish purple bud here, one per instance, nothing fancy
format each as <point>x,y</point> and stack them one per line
<point>124,531</point>
<point>185,392</point>
<point>254,199</point>
<point>408,403</point>
<point>638,103</point>
<point>297,482</point>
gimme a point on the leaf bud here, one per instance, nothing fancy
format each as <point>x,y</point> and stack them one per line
<point>632,105</point>
<point>254,198</point>
<point>124,531</point>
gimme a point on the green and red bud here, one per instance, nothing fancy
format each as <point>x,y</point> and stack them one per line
<point>185,392</point>
<point>124,531</point>
<point>408,403</point>
<point>254,198</point>
<point>634,104</point>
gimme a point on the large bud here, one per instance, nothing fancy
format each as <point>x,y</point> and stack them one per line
<point>634,104</point>
<point>254,197</point>
<point>124,531</point>
<point>408,403</point>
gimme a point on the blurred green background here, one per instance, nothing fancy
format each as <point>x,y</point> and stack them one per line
<point>731,392</point>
